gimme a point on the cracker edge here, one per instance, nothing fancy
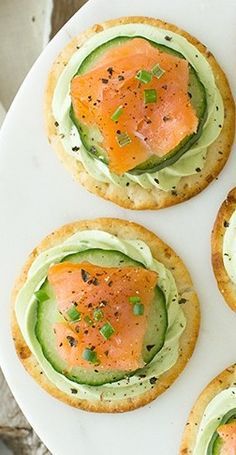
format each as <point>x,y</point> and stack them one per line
<point>225,285</point>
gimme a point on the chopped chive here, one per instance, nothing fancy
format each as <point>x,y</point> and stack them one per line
<point>73,314</point>
<point>157,71</point>
<point>134,299</point>
<point>150,96</point>
<point>138,309</point>
<point>98,314</point>
<point>41,296</point>
<point>123,139</point>
<point>107,331</point>
<point>88,320</point>
<point>117,113</point>
<point>144,76</point>
<point>90,355</point>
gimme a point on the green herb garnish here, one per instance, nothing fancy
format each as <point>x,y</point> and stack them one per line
<point>138,309</point>
<point>118,112</point>
<point>144,76</point>
<point>107,331</point>
<point>98,314</point>
<point>123,139</point>
<point>41,296</point>
<point>134,299</point>
<point>157,71</point>
<point>73,314</point>
<point>150,96</point>
<point>90,355</point>
<point>88,320</point>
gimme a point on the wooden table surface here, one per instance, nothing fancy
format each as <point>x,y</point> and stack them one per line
<point>62,11</point>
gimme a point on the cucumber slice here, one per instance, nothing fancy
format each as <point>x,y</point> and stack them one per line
<point>91,137</point>
<point>215,445</point>
<point>48,315</point>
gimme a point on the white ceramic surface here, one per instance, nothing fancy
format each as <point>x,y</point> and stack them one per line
<point>37,195</point>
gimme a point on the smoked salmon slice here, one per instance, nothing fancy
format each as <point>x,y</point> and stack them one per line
<point>152,128</point>
<point>109,308</point>
<point>228,433</point>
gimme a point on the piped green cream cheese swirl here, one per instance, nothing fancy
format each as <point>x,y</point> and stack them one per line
<point>26,313</point>
<point>213,414</point>
<point>229,248</point>
<point>190,163</point>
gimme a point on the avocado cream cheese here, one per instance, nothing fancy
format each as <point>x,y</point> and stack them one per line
<point>190,163</point>
<point>229,248</point>
<point>26,313</point>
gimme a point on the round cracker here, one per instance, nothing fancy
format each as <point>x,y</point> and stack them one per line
<point>134,196</point>
<point>221,382</point>
<point>160,251</point>
<point>225,285</point>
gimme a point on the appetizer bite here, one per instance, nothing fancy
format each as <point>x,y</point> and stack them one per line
<point>140,112</point>
<point>223,249</point>
<point>105,316</point>
<point>211,427</point>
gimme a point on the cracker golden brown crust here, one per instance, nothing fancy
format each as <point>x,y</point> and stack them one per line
<point>163,253</point>
<point>221,382</point>
<point>133,196</point>
<point>225,285</point>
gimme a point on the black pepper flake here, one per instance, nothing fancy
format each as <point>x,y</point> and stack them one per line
<point>217,108</point>
<point>198,169</point>
<point>72,341</point>
<point>226,224</point>
<point>106,353</point>
<point>110,70</point>
<point>92,149</point>
<point>127,184</point>
<point>60,345</point>
<point>182,301</point>
<point>153,380</point>
<point>156,180</point>
<point>94,281</point>
<point>220,126</point>
<point>56,124</point>
<point>105,81</point>
<point>121,78</point>
<point>74,391</point>
<point>85,275</point>
<point>89,98</point>
<point>75,148</point>
<point>190,95</point>
<point>111,282</point>
<point>166,118</point>
<point>164,86</point>
<point>103,303</point>
<point>150,347</point>
<point>174,193</point>
<point>86,332</point>
<point>168,38</point>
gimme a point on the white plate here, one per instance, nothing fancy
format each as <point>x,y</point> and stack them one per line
<point>37,195</point>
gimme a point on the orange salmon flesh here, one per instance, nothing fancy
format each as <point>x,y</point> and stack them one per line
<point>155,128</point>
<point>89,288</point>
<point>228,433</point>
